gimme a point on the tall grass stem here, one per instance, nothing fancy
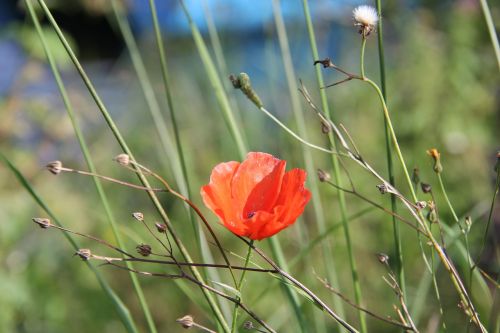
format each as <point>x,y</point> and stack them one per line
<point>300,121</point>
<point>335,167</point>
<point>388,148</point>
<point>121,141</point>
<point>491,30</point>
<point>237,135</point>
<point>86,153</point>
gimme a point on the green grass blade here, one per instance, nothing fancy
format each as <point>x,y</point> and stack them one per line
<point>118,136</point>
<point>300,121</point>
<point>236,133</point>
<point>217,85</point>
<point>335,165</point>
<point>202,241</point>
<point>119,306</point>
<point>146,86</point>
<point>388,148</point>
<point>90,163</point>
<point>491,29</point>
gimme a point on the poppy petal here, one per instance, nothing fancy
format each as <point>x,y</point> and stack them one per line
<point>293,196</point>
<point>265,193</point>
<point>250,173</point>
<point>217,196</point>
<point>257,225</point>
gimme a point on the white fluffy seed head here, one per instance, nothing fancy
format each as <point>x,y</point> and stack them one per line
<point>365,16</point>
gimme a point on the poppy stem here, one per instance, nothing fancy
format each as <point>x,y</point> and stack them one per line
<point>239,286</point>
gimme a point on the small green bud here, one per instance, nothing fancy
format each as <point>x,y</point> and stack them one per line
<point>242,82</point>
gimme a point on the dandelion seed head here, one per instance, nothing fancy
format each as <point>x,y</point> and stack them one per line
<point>365,17</point>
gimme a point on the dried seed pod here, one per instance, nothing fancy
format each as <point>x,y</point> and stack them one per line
<point>143,249</point>
<point>138,216</point>
<point>383,258</point>
<point>421,204</point>
<point>44,223</point>
<point>162,228</point>
<point>122,159</point>
<point>426,188</point>
<point>84,254</point>
<point>382,188</point>
<point>323,176</point>
<point>186,321</point>
<point>54,167</point>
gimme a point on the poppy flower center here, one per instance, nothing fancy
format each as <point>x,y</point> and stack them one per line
<point>250,215</point>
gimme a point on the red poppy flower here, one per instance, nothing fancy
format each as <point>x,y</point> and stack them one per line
<point>256,198</point>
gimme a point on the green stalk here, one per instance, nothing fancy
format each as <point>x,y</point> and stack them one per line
<point>220,59</point>
<point>147,89</point>
<point>300,121</point>
<point>179,172</point>
<point>464,231</point>
<point>90,163</point>
<point>202,241</point>
<point>388,149</point>
<point>455,278</point>
<point>491,29</point>
<point>362,57</point>
<point>335,167</point>
<point>239,287</point>
<point>290,293</point>
<point>490,214</point>
<point>436,291</point>
<point>210,298</point>
<point>120,307</point>
<point>237,135</point>
<point>217,85</point>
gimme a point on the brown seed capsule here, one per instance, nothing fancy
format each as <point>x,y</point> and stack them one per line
<point>323,176</point>
<point>84,254</point>
<point>54,167</point>
<point>122,159</point>
<point>162,228</point>
<point>143,249</point>
<point>326,63</point>
<point>382,188</point>
<point>44,223</point>
<point>383,258</point>
<point>421,204</point>
<point>426,188</point>
<point>186,321</point>
<point>138,216</point>
<point>248,325</point>
<point>325,127</point>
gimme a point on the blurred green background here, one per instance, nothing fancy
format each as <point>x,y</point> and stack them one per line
<point>443,92</point>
